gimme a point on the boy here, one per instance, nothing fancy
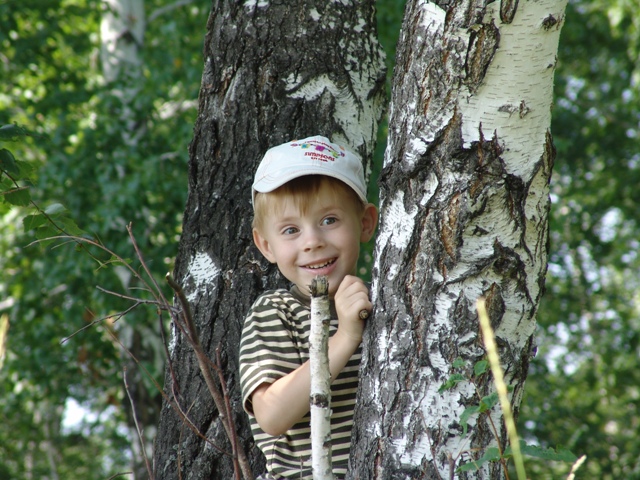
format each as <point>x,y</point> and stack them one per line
<point>310,215</point>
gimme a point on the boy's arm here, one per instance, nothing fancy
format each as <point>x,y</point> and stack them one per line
<point>279,405</point>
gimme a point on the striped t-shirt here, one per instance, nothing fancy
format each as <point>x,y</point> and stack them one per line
<point>275,341</point>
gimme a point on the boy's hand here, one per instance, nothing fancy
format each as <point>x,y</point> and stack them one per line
<point>352,298</point>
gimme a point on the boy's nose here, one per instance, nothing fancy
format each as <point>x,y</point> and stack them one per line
<point>313,239</point>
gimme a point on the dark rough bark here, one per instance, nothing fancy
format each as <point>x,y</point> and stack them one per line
<point>273,71</point>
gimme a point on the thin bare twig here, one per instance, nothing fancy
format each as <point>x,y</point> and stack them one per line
<point>144,265</point>
<point>166,9</point>
<point>172,403</point>
<point>159,300</point>
<point>578,463</point>
<point>118,258</point>
<point>203,363</point>
<point>229,414</point>
<point>119,475</point>
<point>139,301</point>
<point>135,421</point>
<point>117,317</point>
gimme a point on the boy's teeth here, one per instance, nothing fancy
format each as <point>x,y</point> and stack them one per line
<point>320,265</point>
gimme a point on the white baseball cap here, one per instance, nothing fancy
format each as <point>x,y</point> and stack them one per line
<point>315,155</point>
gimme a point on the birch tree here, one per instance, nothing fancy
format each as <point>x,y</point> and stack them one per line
<point>122,31</point>
<point>272,72</point>
<point>464,214</point>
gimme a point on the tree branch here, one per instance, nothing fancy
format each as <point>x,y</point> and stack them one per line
<point>135,421</point>
<point>320,392</point>
<point>166,9</point>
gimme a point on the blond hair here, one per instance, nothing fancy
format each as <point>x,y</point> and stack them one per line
<point>303,192</point>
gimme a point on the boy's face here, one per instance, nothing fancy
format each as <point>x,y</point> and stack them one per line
<point>325,240</point>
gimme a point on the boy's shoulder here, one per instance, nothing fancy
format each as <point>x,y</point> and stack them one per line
<point>280,297</point>
<point>272,295</point>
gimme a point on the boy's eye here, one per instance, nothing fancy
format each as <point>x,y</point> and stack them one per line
<point>329,221</point>
<point>289,231</point>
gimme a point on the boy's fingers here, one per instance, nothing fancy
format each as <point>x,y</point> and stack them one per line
<point>354,295</point>
<point>353,284</point>
<point>348,281</point>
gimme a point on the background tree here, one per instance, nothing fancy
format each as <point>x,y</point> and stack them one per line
<point>464,207</point>
<point>273,72</point>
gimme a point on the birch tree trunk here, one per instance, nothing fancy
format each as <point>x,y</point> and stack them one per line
<point>122,30</point>
<point>273,72</point>
<point>464,207</point>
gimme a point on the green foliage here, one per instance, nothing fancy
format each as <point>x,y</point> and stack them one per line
<point>452,381</point>
<point>14,174</point>
<point>582,389</point>
<point>486,404</point>
<point>492,454</point>
<point>556,455</point>
<point>15,184</point>
<point>65,139</point>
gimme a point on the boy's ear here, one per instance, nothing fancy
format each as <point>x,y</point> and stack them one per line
<point>263,245</point>
<point>369,222</point>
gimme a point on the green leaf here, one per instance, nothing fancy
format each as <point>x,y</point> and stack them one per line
<point>8,162</point>
<point>558,455</point>
<point>453,380</point>
<point>492,454</point>
<point>26,169</point>
<point>488,402</point>
<point>45,232</point>
<point>55,209</point>
<point>11,133</point>
<point>485,404</point>
<point>31,222</point>
<point>70,227</point>
<point>481,367</point>
<point>18,196</point>
<point>464,418</point>
<point>458,363</point>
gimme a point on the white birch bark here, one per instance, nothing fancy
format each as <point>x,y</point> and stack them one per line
<point>464,214</point>
<point>121,34</point>
<point>122,28</point>
<point>320,392</point>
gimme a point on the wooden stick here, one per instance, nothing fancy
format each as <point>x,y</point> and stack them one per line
<point>320,394</point>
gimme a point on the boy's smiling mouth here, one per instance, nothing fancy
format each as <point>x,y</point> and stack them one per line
<point>317,266</point>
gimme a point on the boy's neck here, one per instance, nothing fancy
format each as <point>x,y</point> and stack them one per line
<point>300,295</point>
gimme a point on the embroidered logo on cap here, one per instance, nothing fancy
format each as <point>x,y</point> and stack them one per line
<point>321,151</point>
